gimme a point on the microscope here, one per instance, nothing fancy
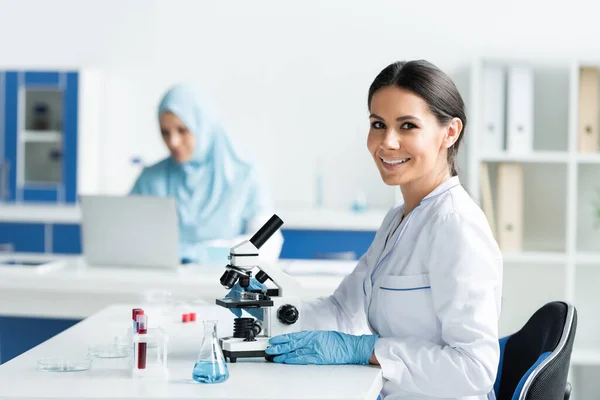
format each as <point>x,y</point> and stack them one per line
<point>281,306</point>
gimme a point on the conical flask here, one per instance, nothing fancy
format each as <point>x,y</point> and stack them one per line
<point>210,365</point>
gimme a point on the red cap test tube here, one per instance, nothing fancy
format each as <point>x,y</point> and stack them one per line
<point>134,313</point>
<point>142,321</point>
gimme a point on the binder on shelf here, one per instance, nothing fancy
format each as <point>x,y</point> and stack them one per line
<point>487,202</point>
<point>519,109</point>
<point>494,100</point>
<point>510,207</point>
<point>587,130</point>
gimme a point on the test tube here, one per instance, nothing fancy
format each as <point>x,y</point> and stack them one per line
<point>142,324</point>
<point>134,313</point>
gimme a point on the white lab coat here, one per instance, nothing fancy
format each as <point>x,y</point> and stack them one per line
<point>433,299</point>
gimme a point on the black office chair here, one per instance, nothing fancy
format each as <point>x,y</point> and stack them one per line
<point>534,362</point>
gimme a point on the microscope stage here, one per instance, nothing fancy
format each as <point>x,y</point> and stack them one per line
<point>237,303</point>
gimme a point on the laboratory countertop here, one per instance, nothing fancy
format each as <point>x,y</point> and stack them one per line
<point>69,288</point>
<point>110,378</point>
<point>318,219</point>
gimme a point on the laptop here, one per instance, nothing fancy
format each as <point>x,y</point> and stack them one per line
<point>131,231</point>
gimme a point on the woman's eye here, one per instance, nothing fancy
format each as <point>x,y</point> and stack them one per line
<point>164,133</point>
<point>182,130</point>
<point>408,125</point>
<point>377,125</point>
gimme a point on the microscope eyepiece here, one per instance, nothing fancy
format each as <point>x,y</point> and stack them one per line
<point>266,231</point>
<point>229,278</point>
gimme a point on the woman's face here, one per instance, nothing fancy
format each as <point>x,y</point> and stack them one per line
<point>180,141</point>
<point>405,138</point>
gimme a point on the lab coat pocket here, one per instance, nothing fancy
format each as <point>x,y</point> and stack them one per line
<point>405,283</point>
<point>408,305</point>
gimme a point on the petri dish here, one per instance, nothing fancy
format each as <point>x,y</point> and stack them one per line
<point>64,365</point>
<point>108,351</point>
<point>123,340</point>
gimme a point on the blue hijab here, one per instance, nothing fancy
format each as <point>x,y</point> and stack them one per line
<point>216,191</point>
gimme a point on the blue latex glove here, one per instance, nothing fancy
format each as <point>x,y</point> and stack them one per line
<point>322,347</point>
<point>235,292</point>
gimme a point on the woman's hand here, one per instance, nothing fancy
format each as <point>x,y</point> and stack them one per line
<point>322,347</point>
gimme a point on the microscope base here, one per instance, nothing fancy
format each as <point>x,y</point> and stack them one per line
<point>234,348</point>
<point>234,355</point>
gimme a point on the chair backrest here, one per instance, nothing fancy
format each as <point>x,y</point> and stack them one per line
<point>535,360</point>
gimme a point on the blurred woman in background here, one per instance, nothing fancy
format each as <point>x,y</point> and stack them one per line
<point>221,197</point>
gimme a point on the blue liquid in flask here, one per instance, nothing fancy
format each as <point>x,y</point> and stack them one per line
<point>210,372</point>
<point>210,366</point>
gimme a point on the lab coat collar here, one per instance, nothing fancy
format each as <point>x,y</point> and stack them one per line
<point>447,184</point>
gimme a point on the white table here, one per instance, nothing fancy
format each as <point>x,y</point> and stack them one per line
<point>110,379</point>
<point>69,288</point>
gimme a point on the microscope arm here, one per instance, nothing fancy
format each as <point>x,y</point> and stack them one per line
<point>287,285</point>
<point>245,258</point>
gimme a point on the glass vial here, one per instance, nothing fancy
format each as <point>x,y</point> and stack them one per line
<point>140,343</point>
<point>149,351</point>
<point>210,366</point>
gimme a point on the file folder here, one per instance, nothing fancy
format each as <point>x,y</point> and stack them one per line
<point>510,207</point>
<point>519,109</point>
<point>493,109</point>
<point>487,201</point>
<point>587,130</point>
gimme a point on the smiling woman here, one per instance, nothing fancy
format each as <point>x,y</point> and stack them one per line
<point>424,300</point>
<point>417,123</point>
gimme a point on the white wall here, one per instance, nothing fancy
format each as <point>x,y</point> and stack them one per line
<point>290,78</point>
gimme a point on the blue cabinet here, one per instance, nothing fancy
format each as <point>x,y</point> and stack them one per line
<point>20,334</point>
<point>38,136</point>
<point>66,239</point>
<point>23,237</point>
<point>41,238</point>
<point>321,244</point>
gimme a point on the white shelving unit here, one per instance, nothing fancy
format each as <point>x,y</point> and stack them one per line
<point>534,257</point>
<point>537,157</point>
<point>588,158</point>
<point>561,244</point>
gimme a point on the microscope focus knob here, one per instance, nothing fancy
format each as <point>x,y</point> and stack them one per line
<point>287,314</point>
